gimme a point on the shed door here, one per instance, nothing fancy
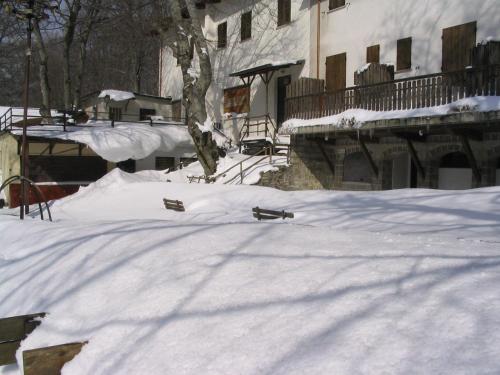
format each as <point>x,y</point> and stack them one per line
<point>458,42</point>
<point>336,72</point>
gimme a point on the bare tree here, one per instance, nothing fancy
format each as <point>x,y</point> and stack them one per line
<point>181,30</point>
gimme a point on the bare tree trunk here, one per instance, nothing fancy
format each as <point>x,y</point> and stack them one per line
<point>69,33</point>
<point>186,31</point>
<point>92,11</point>
<point>45,109</point>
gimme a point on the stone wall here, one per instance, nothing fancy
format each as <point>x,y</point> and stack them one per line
<point>310,170</point>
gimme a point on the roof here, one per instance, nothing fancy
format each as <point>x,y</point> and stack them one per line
<point>96,93</point>
<point>266,68</point>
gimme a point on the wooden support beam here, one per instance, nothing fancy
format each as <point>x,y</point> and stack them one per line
<point>49,360</point>
<point>368,157</point>
<point>325,156</point>
<point>470,157</point>
<point>416,160</point>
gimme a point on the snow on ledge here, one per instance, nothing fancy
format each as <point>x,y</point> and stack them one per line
<point>355,118</point>
<point>117,95</point>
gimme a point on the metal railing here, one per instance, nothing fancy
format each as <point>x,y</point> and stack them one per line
<point>257,126</point>
<point>402,94</point>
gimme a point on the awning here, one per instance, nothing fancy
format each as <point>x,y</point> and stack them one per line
<point>266,68</point>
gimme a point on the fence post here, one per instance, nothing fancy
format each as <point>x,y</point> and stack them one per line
<point>64,120</point>
<point>113,122</point>
<point>241,173</point>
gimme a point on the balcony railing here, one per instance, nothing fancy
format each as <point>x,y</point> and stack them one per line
<point>402,94</point>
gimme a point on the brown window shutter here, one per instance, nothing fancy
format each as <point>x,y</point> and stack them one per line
<point>458,42</point>
<point>284,12</point>
<point>334,4</point>
<point>222,35</point>
<point>373,54</point>
<point>246,25</point>
<point>404,54</point>
<point>336,72</point>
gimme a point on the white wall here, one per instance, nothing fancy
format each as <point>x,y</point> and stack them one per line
<point>363,23</point>
<point>455,178</point>
<point>268,44</point>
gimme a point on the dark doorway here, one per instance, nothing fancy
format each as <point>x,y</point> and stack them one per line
<point>283,82</point>
<point>127,165</point>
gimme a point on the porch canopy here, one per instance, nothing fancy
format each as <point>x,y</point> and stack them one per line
<point>266,72</point>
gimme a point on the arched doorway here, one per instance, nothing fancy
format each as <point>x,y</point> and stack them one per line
<point>357,168</point>
<point>455,172</point>
<point>404,172</point>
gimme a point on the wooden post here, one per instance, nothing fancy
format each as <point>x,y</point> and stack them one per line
<point>325,156</point>
<point>241,173</point>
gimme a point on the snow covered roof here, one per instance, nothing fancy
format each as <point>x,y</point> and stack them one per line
<point>121,142</point>
<point>117,95</point>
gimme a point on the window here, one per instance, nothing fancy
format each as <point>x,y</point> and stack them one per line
<point>164,162</point>
<point>404,54</point>
<point>373,54</point>
<point>146,113</point>
<point>115,113</point>
<point>334,4</point>
<point>222,35</point>
<point>458,42</point>
<point>284,12</point>
<point>246,26</point>
<point>237,99</point>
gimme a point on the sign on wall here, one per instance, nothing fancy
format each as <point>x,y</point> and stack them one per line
<point>237,99</point>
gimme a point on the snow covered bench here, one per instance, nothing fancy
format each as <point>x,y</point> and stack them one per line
<point>263,214</point>
<point>175,205</point>
<point>12,331</point>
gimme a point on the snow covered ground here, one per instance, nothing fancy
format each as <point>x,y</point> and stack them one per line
<point>396,282</point>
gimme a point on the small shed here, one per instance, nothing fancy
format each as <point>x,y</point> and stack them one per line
<point>127,106</point>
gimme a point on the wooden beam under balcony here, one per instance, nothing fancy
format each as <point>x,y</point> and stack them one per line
<point>368,157</point>
<point>325,156</point>
<point>414,157</point>
<point>470,157</point>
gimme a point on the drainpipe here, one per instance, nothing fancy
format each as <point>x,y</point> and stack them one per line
<point>318,38</point>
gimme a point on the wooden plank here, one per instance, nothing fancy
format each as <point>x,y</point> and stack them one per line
<point>17,327</point>
<point>8,352</point>
<point>49,360</point>
<point>265,214</point>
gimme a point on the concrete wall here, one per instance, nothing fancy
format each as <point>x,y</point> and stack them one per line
<point>363,23</point>
<point>269,44</point>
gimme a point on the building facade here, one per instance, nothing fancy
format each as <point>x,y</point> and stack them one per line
<point>383,56</point>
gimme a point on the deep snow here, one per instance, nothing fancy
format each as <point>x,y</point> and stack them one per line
<point>397,282</point>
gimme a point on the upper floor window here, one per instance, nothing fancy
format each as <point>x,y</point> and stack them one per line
<point>373,54</point>
<point>334,4</point>
<point>246,26</point>
<point>404,54</point>
<point>222,35</point>
<point>284,12</point>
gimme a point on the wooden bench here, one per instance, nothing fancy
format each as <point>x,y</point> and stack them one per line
<point>175,205</point>
<point>50,360</point>
<point>263,214</point>
<point>12,331</point>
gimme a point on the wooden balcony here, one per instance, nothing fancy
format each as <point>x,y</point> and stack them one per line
<point>306,98</point>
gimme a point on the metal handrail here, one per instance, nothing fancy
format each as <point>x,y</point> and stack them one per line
<point>241,162</point>
<point>38,192</point>
<point>244,170</point>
